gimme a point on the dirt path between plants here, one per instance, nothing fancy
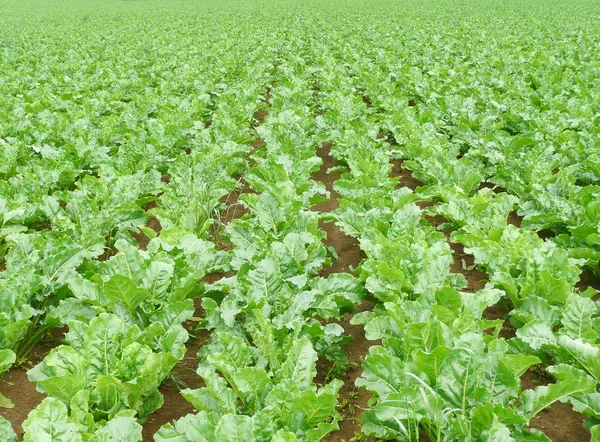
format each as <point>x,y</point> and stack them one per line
<point>352,399</point>
<point>184,374</point>
<point>347,248</point>
<point>21,391</point>
<point>17,387</point>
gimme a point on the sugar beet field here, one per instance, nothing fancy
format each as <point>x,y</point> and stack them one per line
<point>283,221</point>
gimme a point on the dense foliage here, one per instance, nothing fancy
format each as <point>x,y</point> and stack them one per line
<point>126,128</point>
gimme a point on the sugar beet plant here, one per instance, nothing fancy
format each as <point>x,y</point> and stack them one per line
<point>156,167</point>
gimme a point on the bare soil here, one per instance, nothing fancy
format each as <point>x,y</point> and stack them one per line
<point>500,311</point>
<point>349,253</point>
<point>234,209</point>
<point>327,178</point>
<point>152,223</point>
<point>367,101</point>
<point>588,279</point>
<point>183,376</point>
<point>260,115</point>
<point>17,387</point>
<point>464,263</point>
<point>514,219</point>
<point>406,178</point>
<point>559,422</point>
<point>352,398</point>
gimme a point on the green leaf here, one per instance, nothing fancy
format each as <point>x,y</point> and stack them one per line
<point>483,417</point>
<point>587,404</point>
<point>429,363</point>
<point>129,260</point>
<point>410,404</point>
<point>7,434</point>
<point>103,338</point>
<point>268,212</point>
<point>119,429</point>
<point>122,289</point>
<point>60,361</point>
<point>317,407</point>
<point>190,428</point>
<point>519,363</point>
<point>49,421</point>
<point>7,358</point>
<point>157,279</point>
<point>284,436</point>
<point>234,428</point>
<point>458,377</point>
<point>586,354</point>
<point>537,334</point>
<point>6,402</point>
<point>300,364</point>
<point>499,433</point>
<point>63,387</point>
<point>534,401</point>
<point>536,308</point>
<point>253,383</point>
<point>577,318</point>
<point>383,372</point>
<point>216,396</point>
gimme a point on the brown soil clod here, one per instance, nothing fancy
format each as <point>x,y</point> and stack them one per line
<point>268,95</point>
<point>499,311</point>
<point>465,264</point>
<point>514,219</point>
<point>211,278</point>
<point>109,252</point>
<point>347,248</point>
<point>259,116</point>
<point>588,279</point>
<point>141,237</point>
<point>234,209</point>
<point>22,392</point>
<point>17,387</point>
<point>406,177</point>
<point>349,253</point>
<point>151,205</point>
<point>152,223</point>
<point>486,185</point>
<point>257,144</point>
<point>353,399</point>
<point>546,234</point>
<point>561,423</point>
<point>42,225</point>
<point>183,376</point>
